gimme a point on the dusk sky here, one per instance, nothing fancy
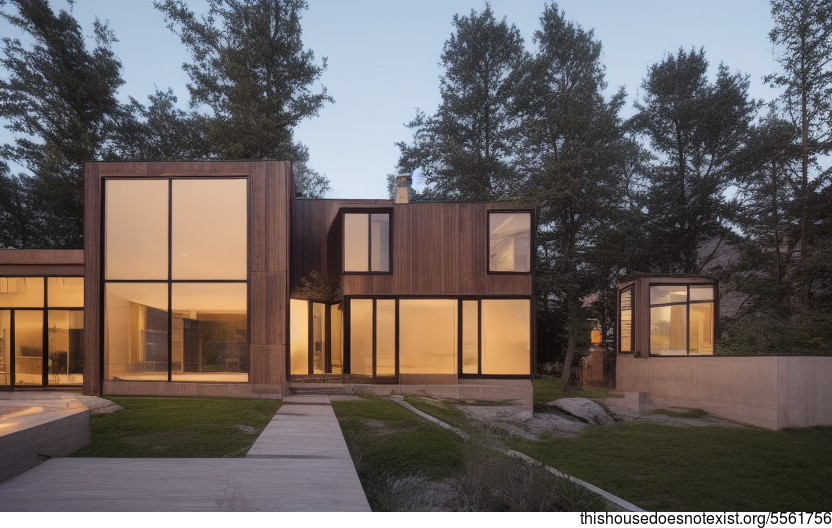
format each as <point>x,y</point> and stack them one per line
<point>383,61</point>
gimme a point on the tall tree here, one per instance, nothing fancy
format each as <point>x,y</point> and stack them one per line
<point>571,155</point>
<point>465,149</point>
<point>58,99</point>
<point>251,70</point>
<point>693,127</point>
<point>802,38</point>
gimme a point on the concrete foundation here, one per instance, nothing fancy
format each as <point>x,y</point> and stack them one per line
<point>770,392</point>
<point>518,393</point>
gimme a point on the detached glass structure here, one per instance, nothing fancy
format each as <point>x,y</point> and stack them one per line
<point>667,316</point>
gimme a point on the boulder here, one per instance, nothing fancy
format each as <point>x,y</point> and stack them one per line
<point>584,409</point>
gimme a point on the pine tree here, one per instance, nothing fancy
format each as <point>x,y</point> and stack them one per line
<point>465,149</point>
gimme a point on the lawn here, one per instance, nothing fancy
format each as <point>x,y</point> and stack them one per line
<point>659,467</point>
<point>548,389</point>
<point>179,427</point>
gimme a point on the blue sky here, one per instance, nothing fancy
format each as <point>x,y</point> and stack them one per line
<point>383,60</point>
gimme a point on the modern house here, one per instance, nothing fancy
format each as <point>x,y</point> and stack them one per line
<point>190,283</point>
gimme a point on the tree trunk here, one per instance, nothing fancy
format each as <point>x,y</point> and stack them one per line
<point>570,355</point>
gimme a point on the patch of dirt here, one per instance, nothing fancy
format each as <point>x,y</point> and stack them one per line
<point>247,429</point>
<point>377,426</point>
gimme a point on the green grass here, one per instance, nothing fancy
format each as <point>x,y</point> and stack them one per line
<point>384,438</point>
<point>690,413</point>
<point>548,389</point>
<point>179,427</point>
<point>667,468</point>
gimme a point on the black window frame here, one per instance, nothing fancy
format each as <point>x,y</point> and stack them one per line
<point>686,303</point>
<point>631,288</point>
<point>368,211</point>
<point>169,281</point>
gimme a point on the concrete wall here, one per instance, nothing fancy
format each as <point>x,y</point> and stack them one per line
<point>771,392</point>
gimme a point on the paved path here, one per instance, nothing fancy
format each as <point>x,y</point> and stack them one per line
<point>299,463</point>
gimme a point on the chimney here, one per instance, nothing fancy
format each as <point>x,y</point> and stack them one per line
<point>403,182</point>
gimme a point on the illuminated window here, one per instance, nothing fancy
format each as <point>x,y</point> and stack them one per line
<point>367,242</point>
<point>427,336</point>
<point>506,336</point>
<point>178,314</point>
<point>509,242</point>
<point>681,320</point>
<point>315,342</point>
<point>625,321</point>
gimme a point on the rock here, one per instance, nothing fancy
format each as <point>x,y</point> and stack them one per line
<point>584,409</point>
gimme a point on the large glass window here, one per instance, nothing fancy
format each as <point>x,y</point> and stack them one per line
<point>470,337</point>
<point>367,242</point>
<point>299,336</point>
<point>625,321</point>
<point>509,240</point>
<point>385,337</point>
<point>361,336</point>
<point>28,347</point>
<point>681,320</point>
<point>427,336</point>
<point>136,229</point>
<point>506,336</point>
<point>157,326</point>
<point>209,229</point>
<point>66,347</point>
<point>65,292</point>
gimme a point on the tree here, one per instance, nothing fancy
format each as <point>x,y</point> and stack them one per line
<point>802,38</point>
<point>572,155</point>
<point>250,69</point>
<point>58,99</point>
<point>465,149</point>
<point>693,127</point>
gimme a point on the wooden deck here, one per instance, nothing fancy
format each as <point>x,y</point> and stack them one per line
<point>299,463</point>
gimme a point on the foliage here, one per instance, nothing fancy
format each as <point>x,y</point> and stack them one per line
<point>250,69</point>
<point>758,334</point>
<point>572,151</point>
<point>316,287</point>
<point>465,149</point>
<point>693,127</point>
<point>58,99</point>
<point>547,389</point>
<point>178,428</point>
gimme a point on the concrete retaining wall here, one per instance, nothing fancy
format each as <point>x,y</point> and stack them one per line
<point>771,392</point>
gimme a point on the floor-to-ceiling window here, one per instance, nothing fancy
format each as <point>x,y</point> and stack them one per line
<point>175,279</point>
<point>41,331</point>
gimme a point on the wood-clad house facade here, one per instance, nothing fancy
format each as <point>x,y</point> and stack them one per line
<point>196,282</point>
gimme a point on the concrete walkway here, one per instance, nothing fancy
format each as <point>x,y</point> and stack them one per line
<point>300,462</point>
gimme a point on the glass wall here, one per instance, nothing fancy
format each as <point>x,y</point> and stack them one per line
<point>41,331</point>
<point>470,337</point>
<point>509,240</point>
<point>178,314</point>
<point>336,321</point>
<point>367,242</point>
<point>427,336</point>
<point>299,336</point>
<point>681,320</point>
<point>506,336</point>
<point>385,337</point>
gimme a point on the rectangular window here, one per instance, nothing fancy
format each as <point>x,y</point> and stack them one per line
<point>66,347</point>
<point>65,292</point>
<point>161,236</point>
<point>385,337</point>
<point>5,347</point>
<point>509,241</point>
<point>681,320</point>
<point>470,337</point>
<point>367,242</point>
<point>427,336</point>
<point>361,336</point>
<point>625,321</point>
<point>506,336</point>
<point>28,347</point>
<point>21,292</point>
<point>299,336</point>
